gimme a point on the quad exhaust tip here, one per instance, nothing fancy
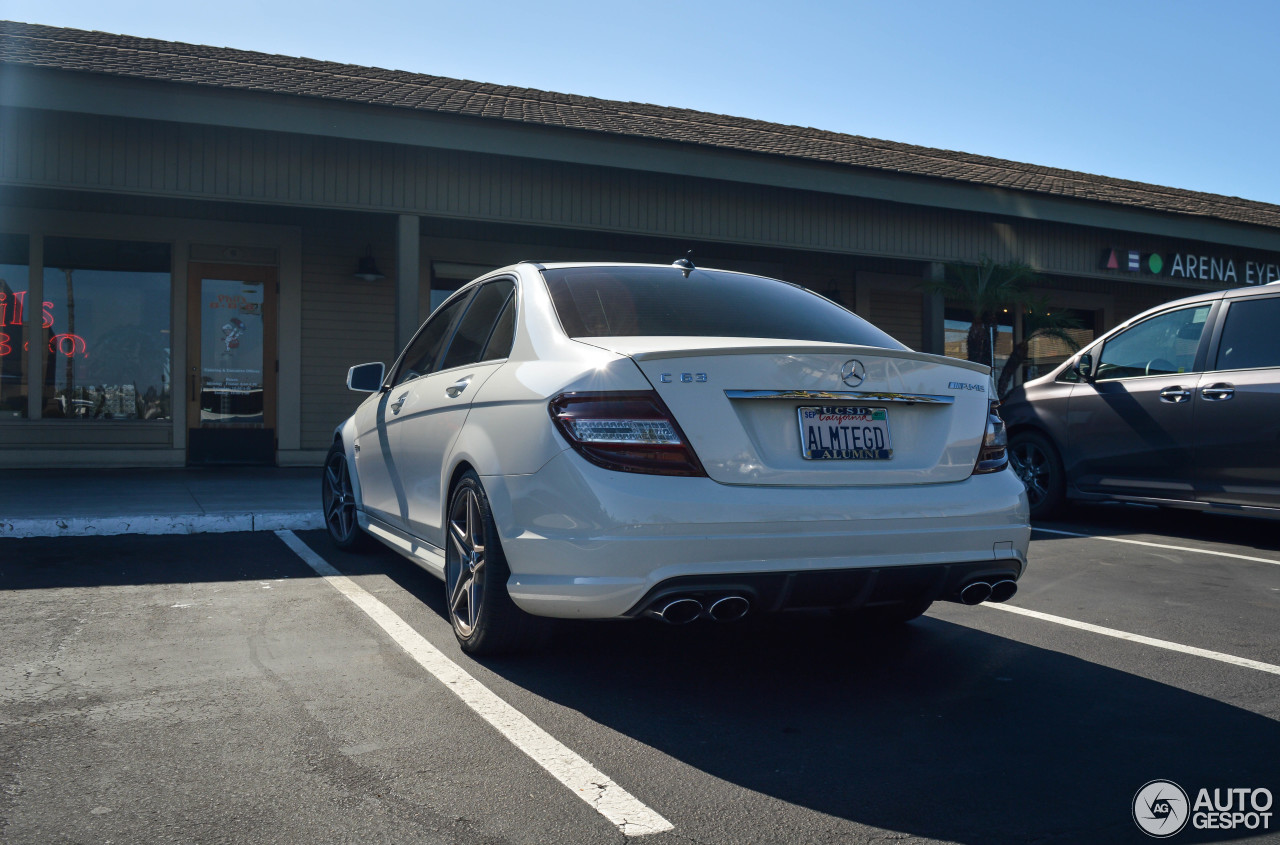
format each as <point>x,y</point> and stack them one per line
<point>729,609</point>
<point>975,593</point>
<point>1003,590</point>
<point>683,610</point>
<point>680,611</point>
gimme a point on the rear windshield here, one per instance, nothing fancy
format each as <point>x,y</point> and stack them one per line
<point>642,301</point>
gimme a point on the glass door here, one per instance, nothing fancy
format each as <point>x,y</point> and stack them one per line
<point>231,363</point>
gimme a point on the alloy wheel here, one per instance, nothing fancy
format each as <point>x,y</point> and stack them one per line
<point>1034,466</point>
<point>465,576</point>
<point>339,499</point>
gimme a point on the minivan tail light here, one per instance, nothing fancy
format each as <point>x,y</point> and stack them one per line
<point>994,454</point>
<point>625,430</point>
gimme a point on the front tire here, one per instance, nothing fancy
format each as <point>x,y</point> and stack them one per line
<point>338,500</point>
<point>485,619</point>
<point>1036,461</point>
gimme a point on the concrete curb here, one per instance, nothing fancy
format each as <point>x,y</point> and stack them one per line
<point>181,523</point>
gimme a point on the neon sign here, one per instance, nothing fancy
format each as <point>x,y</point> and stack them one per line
<point>69,345</point>
<point>14,308</point>
<point>12,313</point>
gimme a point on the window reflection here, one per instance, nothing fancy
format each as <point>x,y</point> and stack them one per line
<point>106,330</point>
<point>13,331</point>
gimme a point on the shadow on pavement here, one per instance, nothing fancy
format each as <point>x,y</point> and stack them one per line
<point>938,730</point>
<point>1170,524</point>
<point>49,563</point>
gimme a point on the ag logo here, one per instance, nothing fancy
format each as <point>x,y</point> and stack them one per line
<point>1160,808</point>
<point>853,373</point>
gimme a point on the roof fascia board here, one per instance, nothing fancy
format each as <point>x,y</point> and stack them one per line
<point>114,96</point>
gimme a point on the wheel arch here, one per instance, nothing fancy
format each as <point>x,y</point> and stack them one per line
<point>460,469</point>
<point>345,435</point>
<point>1035,427</point>
<point>1032,427</point>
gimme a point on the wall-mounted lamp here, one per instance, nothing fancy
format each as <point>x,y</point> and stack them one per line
<point>368,271</point>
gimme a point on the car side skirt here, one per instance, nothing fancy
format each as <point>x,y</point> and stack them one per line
<point>424,554</point>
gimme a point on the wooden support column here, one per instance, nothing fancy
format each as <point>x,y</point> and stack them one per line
<point>933,314</point>
<point>408,273</point>
<point>33,328</point>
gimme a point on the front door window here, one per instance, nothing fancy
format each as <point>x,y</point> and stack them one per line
<point>1163,345</point>
<point>232,337</point>
<point>231,364</point>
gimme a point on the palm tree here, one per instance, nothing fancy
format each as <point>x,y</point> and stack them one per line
<point>985,290</point>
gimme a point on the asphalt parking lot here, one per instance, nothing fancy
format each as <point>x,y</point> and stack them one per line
<point>218,688</point>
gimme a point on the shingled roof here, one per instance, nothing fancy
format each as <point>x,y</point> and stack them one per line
<point>143,58</point>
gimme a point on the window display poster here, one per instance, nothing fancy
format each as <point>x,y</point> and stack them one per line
<point>231,352</point>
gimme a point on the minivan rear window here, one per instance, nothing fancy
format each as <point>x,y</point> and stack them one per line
<point>661,301</point>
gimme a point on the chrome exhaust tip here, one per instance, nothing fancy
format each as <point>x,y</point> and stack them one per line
<point>975,593</point>
<point>729,608</point>
<point>679,611</point>
<point>1003,590</point>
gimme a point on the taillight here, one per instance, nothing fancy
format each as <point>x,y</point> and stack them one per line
<point>994,454</point>
<point>625,430</point>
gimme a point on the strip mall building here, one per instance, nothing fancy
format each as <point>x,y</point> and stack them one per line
<point>196,242</point>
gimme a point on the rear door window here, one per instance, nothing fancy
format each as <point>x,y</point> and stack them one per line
<point>424,350</point>
<point>477,324</point>
<point>1250,335</point>
<point>504,332</point>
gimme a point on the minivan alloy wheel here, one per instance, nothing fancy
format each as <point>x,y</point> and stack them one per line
<point>1032,466</point>
<point>1036,462</point>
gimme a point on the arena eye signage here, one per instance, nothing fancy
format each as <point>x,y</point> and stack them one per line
<point>1188,265</point>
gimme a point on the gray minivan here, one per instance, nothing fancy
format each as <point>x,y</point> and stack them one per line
<point>1178,406</point>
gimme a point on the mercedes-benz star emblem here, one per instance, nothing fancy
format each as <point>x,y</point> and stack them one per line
<point>853,373</point>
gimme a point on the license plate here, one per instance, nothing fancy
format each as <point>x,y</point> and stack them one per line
<point>839,433</point>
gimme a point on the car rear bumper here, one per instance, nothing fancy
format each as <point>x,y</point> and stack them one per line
<point>585,542</point>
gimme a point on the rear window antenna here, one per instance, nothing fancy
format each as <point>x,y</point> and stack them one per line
<point>685,264</point>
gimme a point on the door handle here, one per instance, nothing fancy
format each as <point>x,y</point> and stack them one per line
<point>1175,394</point>
<point>1218,392</point>
<point>396,405</point>
<point>455,389</point>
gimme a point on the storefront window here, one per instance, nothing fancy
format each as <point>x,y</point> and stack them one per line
<point>106,330</point>
<point>1047,349</point>
<point>956,340</point>
<point>13,332</point>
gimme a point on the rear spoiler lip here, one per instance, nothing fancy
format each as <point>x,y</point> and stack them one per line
<point>796,347</point>
<point>843,396</point>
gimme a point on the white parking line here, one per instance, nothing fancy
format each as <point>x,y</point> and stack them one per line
<point>1157,545</point>
<point>584,780</point>
<point>1138,638</point>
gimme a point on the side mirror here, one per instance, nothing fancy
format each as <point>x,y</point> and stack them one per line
<point>366,378</point>
<point>1084,366</point>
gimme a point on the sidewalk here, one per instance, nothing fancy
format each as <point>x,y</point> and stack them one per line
<point>78,503</point>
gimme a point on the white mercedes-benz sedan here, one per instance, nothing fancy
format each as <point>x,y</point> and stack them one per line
<point>612,441</point>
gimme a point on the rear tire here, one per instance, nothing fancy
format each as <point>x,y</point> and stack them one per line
<point>485,620</point>
<point>1036,461</point>
<point>338,502</point>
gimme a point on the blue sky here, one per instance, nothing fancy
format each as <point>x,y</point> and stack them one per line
<point>1176,93</point>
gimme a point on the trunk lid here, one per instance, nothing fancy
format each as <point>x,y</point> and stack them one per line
<point>913,418</point>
